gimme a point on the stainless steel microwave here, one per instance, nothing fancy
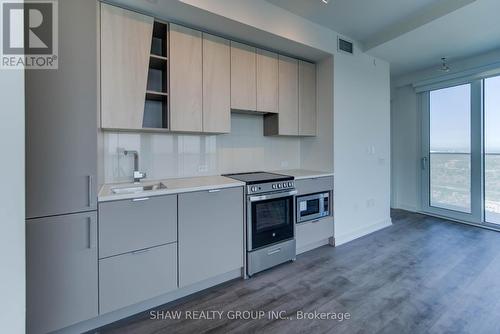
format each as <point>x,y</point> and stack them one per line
<point>313,206</point>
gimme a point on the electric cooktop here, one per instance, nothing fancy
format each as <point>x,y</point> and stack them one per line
<point>259,177</point>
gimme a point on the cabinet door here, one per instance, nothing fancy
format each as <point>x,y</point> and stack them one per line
<point>185,79</point>
<point>307,99</point>
<point>288,96</point>
<point>243,77</point>
<point>216,84</point>
<point>61,121</point>
<point>210,234</point>
<point>125,48</point>
<point>267,81</point>
<point>61,271</point>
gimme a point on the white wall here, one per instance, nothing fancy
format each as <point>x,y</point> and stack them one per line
<point>406,126</point>
<point>12,214</point>
<point>361,146</point>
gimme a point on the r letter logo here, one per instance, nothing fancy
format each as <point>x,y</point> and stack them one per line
<point>29,34</point>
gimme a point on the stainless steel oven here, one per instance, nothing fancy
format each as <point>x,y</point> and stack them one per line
<point>270,218</point>
<point>313,206</point>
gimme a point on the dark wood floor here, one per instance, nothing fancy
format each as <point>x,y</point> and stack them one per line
<point>421,275</point>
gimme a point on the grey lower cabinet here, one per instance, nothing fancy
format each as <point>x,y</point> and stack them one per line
<point>137,276</point>
<point>61,120</point>
<point>137,250</point>
<point>61,271</point>
<point>135,224</point>
<point>210,234</point>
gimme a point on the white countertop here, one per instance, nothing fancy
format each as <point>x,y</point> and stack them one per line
<point>301,174</point>
<point>189,184</point>
<point>174,186</point>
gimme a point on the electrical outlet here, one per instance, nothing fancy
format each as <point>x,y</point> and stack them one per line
<point>202,168</point>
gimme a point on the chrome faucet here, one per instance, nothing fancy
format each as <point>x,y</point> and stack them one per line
<point>138,176</point>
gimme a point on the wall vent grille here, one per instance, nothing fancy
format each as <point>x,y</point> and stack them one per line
<point>345,46</point>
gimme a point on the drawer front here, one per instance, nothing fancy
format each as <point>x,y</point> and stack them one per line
<point>315,185</point>
<point>271,256</point>
<point>134,277</point>
<point>129,225</point>
<point>313,232</point>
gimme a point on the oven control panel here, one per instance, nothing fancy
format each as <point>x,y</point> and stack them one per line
<point>270,187</point>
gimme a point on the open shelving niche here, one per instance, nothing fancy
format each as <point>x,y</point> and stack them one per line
<point>156,107</point>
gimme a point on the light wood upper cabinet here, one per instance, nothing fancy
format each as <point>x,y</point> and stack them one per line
<point>216,84</point>
<point>267,81</point>
<point>307,99</point>
<point>288,97</point>
<point>186,89</point>
<point>243,77</point>
<point>125,49</point>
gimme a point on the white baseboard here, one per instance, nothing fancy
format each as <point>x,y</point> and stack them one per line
<point>407,207</point>
<point>361,232</point>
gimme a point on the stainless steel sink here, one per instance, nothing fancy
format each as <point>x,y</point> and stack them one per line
<point>138,188</point>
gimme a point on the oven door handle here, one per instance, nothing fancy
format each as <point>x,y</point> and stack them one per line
<point>272,196</point>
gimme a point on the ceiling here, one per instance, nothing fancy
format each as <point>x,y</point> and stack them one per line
<point>410,34</point>
<point>358,19</point>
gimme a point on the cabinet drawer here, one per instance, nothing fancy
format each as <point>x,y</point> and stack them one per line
<point>313,232</point>
<point>314,185</point>
<point>130,225</point>
<point>133,277</point>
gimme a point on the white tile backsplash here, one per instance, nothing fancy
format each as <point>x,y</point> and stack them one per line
<point>164,156</point>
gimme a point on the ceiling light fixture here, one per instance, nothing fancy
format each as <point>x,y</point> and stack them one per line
<point>325,1</point>
<point>444,66</point>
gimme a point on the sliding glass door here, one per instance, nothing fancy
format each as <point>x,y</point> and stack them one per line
<point>492,150</point>
<point>450,148</point>
<point>451,163</point>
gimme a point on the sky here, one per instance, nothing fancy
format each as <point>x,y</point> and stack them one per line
<point>492,115</point>
<point>450,118</point>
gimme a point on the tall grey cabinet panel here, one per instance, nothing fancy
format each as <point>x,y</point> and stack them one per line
<point>61,119</point>
<point>61,271</point>
<point>210,234</point>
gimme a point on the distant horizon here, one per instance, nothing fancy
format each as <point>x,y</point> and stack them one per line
<point>460,152</point>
